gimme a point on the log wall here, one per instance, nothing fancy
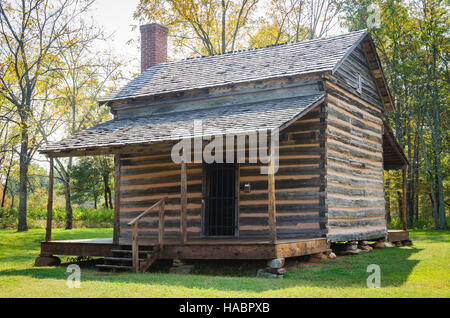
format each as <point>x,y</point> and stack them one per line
<point>146,178</point>
<point>300,199</point>
<point>299,185</point>
<point>354,167</point>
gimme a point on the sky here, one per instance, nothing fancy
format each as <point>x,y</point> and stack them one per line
<point>116,18</point>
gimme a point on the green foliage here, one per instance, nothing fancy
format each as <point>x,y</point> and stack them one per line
<point>89,176</point>
<point>413,44</point>
<point>82,217</point>
<point>423,223</point>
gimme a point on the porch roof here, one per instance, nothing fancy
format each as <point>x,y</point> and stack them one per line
<point>393,156</point>
<point>109,137</point>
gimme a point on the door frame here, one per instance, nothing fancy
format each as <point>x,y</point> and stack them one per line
<point>236,202</point>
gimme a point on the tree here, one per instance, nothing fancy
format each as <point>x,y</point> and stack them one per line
<point>202,27</point>
<point>31,38</point>
<point>105,167</point>
<point>413,45</point>
<point>84,75</point>
<point>295,20</point>
<point>87,181</point>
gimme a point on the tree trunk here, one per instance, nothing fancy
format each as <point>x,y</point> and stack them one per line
<point>69,210</point>
<point>23,176</point>
<point>224,12</point>
<point>416,206</point>
<point>107,191</point>
<point>387,199</point>
<point>443,221</point>
<point>400,205</point>
<point>5,187</point>
<point>110,198</point>
<point>430,179</point>
<point>436,136</point>
<point>105,195</point>
<point>410,180</point>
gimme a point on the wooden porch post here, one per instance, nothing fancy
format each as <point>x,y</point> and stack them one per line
<point>48,233</point>
<point>404,200</point>
<point>272,201</point>
<point>183,221</point>
<point>116,199</point>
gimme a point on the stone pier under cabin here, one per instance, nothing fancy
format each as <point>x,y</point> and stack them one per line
<point>319,107</point>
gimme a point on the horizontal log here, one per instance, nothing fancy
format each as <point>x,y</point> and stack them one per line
<point>158,179</point>
<point>284,233</point>
<point>288,195</point>
<point>285,171</point>
<point>336,135</point>
<point>349,128</point>
<point>281,208</point>
<point>340,202</point>
<point>354,192</point>
<point>291,220</point>
<point>154,214</point>
<point>356,235</point>
<point>352,151</point>
<point>144,223</point>
<point>148,203</point>
<point>353,121</point>
<point>340,92</point>
<point>365,173</point>
<point>357,223</point>
<point>335,157</point>
<point>285,183</point>
<point>162,191</point>
<point>361,213</point>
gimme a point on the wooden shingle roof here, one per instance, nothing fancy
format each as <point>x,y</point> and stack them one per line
<point>238,119</point>
<point>305,57</point>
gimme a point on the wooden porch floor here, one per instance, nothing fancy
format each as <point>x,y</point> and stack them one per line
<point>203,248</point>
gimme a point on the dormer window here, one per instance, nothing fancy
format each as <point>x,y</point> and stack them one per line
<point>359,83</point>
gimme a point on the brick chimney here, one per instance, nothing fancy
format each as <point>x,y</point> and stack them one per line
<point>153,45</point>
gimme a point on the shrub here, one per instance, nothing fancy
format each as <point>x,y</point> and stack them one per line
<point>37,216</point>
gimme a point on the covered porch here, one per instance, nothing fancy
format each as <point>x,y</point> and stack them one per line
<point>395,159</point>
<point>170,195</point>
<point>217,248</point>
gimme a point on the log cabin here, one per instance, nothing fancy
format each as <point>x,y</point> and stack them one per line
<point>318,111</point>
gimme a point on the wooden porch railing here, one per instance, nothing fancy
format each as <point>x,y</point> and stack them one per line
<point>134,240</point>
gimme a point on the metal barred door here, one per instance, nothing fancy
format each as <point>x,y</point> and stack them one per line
<point>220,200</point>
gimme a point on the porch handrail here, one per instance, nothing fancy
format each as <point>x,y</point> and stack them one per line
<point>134,239</point>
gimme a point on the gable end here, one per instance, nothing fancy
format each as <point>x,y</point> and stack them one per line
<point>362,62</point>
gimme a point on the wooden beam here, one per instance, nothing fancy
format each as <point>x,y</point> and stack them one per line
<point>48,233</point>
<point>183,214</point>
<point>272,208</point>
<point>116,199</point>
<point>404,201</point>
<point>161,224</point>
<point>135,248</point>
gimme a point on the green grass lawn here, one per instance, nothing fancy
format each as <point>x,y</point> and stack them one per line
<point>422,270</point>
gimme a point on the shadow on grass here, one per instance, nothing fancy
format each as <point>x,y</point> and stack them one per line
<point>349,271</point>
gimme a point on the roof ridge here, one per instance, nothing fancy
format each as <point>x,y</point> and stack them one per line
<point>264,47</point>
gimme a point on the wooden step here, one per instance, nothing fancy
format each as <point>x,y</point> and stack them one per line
<point>115,267</point>
<point>121,259</point>
<point>130,252</point>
